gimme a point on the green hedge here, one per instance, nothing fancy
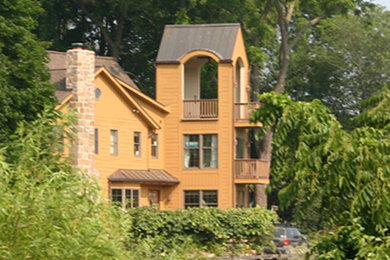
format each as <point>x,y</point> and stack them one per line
<point>159,234</point>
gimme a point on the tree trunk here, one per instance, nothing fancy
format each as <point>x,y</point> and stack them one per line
<point>266,147</point>
<point>260,196</point>
<point>284,63</point>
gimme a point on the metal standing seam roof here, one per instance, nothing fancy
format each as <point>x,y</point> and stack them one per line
<point>178,40</point>
<point>144,176</point>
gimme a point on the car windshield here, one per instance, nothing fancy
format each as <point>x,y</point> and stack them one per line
<point>279,232</point>
<point>293,232</point>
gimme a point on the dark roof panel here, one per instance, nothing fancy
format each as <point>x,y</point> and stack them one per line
<point>57,68</point>
<point>62,94</point>
<point>143,176</point>
<point>178,40</point>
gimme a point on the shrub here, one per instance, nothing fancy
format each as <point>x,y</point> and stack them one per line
<point>211,230</point>
<point>48,210</point>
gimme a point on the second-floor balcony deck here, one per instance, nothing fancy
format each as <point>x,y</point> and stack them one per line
<point>200,109</point>
<point>251,171</point>
<point>207,109</point>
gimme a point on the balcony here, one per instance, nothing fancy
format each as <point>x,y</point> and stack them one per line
<point>242,113</point>
<point>251,171</point>
<point>200,109</point>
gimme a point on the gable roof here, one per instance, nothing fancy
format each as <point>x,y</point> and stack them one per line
<point>178,40</point>
<point>116,84</point>
<point>57,68</point>
<point>145,98</point>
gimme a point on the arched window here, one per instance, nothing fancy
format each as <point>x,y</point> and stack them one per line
<point>240,88</point>
<point>240,97</point>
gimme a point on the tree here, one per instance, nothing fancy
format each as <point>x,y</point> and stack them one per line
<point>49,209</point>
<point>345,172</point>
<point>61,24</point>
<point>24,85</point>
<point>347,61</point>
<point>129,31</point>
<point>343,63</point>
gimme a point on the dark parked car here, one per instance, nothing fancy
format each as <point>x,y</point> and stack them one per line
<point>285,238</point>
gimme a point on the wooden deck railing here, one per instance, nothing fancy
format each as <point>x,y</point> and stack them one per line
<point>242,111</point>
<point>200,108</point>
<point>251,169</point>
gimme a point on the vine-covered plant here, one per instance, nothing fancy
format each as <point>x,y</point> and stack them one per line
<point>344,174</point>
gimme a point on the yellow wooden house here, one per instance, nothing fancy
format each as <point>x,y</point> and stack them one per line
<point>186,148</point>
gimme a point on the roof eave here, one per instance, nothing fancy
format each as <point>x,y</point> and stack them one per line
<point>149,120</point>
<point>64,102</point>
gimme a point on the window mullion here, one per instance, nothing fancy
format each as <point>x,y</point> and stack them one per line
<point>200,151</point>
<point>132,198</point>
<point>123,198</point>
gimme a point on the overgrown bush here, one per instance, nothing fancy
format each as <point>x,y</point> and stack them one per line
<point>351,241</point>
<point>49,210</point>
<point>343,174</point>
<point>184,233</point>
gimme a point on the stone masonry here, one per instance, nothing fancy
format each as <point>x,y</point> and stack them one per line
<point>80,68</point>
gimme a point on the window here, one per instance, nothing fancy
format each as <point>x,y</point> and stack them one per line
<point>200,198</point>
<point>154,145</point>
<point>127,198</point>
<point>201,151</point>
<point>96,141</point>
<point>114,142</point>
<point>137,144</point>
<point>240,198</point>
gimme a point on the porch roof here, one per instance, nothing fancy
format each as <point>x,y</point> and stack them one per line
<point>149,176</point>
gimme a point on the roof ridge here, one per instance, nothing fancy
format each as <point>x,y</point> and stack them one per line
<point>204,25</point>
<point>57,52</point>
<point>105,57</point>
<point>96,56</point>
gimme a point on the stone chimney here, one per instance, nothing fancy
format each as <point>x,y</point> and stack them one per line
<point>80,73</point>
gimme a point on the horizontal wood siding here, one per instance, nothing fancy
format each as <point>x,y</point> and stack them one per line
<point>114,112</point>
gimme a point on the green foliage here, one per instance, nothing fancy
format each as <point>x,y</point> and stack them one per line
<point>345,60</point>
<point>49,210</point>
<point>209,80</point>
<point>351,242</point>
<point>184,232</point>
<point>128,30</point>
<point>23,76</point>
<point>376,111</point>
<point>345,174</point>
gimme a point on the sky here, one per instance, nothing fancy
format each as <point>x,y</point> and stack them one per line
<point>385,3</point>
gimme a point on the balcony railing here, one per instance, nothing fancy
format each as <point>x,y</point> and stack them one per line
<point>242,111</point>
<point>200,108</point>
<point>251,169</point>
